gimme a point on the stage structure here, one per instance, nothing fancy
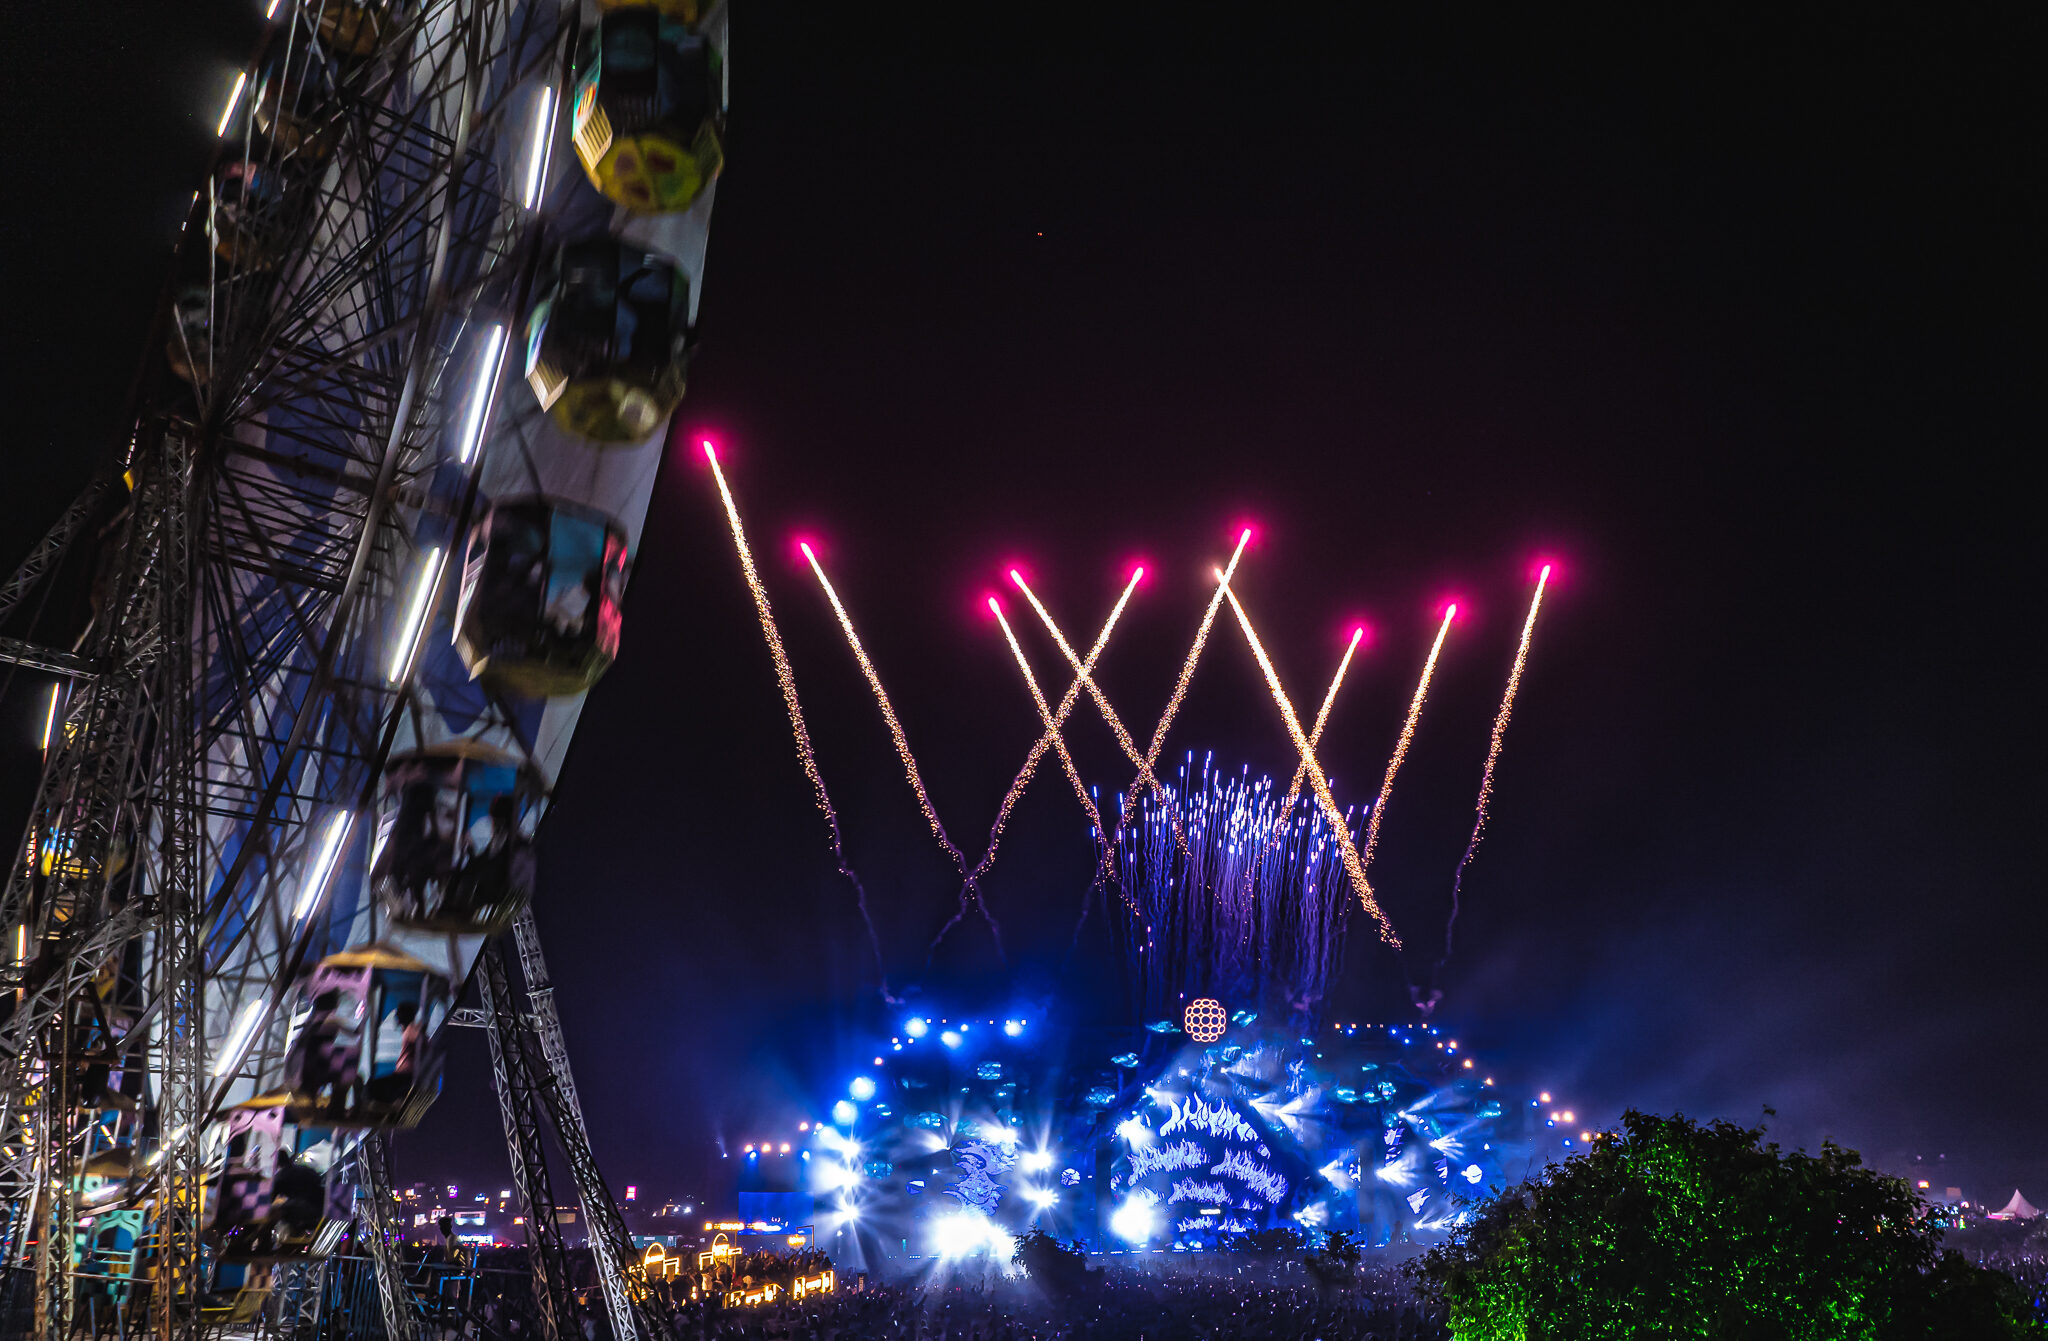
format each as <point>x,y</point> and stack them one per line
<point>320,634</point>
<point>955,1136</point>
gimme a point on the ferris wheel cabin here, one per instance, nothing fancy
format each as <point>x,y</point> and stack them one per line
<point>607,344</point>
<point>267,1194</point>
<point>455,838</point>
<point>539,612</point>
<point>363,1049</point>
<point>648,107</point>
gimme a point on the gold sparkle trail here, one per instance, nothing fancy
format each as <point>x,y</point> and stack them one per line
<point>1353,865</point>
<point>1407,738</point>
<point>1109,714</point>
<point>786,678</point>
<point>1500,730</point>
<point>1315,735</point>
<point>1132,795</point>
<point>970,888</point>
<point>1051,736</point>
<point>1052,729</point>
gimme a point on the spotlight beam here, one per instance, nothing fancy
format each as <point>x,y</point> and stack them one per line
<point>1353,866</point>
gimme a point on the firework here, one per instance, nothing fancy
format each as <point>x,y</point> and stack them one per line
<point>1251,910</point>
<point>1187,673</point>
<point>1379,806</point>
<point>1353,866</point>
<point>1052,730</point>
<point>1315,735</point>
<point>1500,730</point>
<point>786,678</point>
<point>970,888</point>
<point>1051,735</point>
<point>1146,780</point>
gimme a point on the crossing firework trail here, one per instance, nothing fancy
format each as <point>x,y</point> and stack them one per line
<point>1339,830</point>
<point>1059,743</point>
<point>1379,806</point>
<point>1051,736</point>
<point>786,678</point>
<point>1116,725</point>
<point>1180,686</point>
<point>969,887</point>
<point>1315,734</point>
<point>1500,730</point>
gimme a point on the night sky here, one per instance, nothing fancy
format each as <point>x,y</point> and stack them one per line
<point>1738,320</point>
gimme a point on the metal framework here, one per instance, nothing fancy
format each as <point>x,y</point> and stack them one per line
<point>246,667</point>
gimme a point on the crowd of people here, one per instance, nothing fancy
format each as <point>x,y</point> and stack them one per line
<point>1176,1301</point>
<point>2026,1263</point>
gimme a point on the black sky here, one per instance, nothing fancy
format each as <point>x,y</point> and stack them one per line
<point>1738,317</point>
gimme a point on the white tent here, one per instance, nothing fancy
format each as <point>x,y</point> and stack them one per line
<point>2017,1209</point>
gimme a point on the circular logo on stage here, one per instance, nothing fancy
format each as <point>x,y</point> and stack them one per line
<point>1204,1020</point>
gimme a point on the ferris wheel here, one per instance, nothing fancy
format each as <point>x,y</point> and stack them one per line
<point>342,595</point>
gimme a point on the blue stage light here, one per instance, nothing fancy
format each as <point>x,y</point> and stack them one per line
<point>950,1039</point>
<point>862,1088</point>
<point>916,1027</point>
<point>1013,1027</point>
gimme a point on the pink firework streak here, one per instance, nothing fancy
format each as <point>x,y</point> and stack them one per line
<point>786,678</point>
<point>1050,738</point>
<point>970,888</point>
<point>1052,729</point>
<point>1379,806</point>
<point>1500,730</point>
<point>1180,686</point>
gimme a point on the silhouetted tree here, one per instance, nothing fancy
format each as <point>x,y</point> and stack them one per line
<point>1335,1264</point>
<point>1060,1270</point>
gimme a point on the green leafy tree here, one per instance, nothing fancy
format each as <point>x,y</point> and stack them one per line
<point>1670,1228</point>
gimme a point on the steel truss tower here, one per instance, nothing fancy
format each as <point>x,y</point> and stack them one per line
<point>309,439</point>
